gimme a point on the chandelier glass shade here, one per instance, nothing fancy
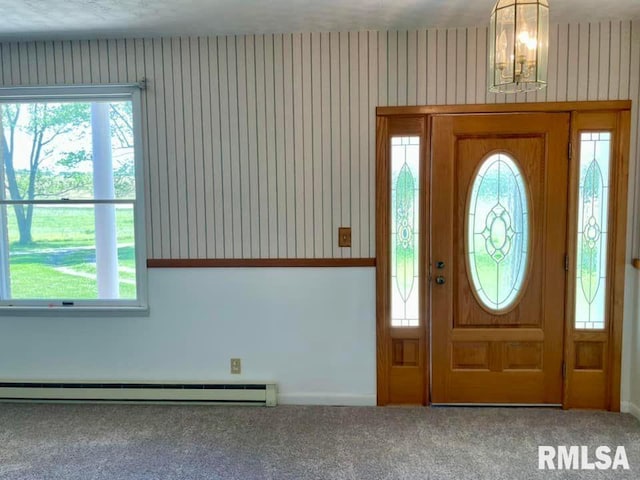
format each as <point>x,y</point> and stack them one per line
<point>518,46</point>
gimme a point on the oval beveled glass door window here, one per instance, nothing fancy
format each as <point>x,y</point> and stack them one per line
<point>498,232</point>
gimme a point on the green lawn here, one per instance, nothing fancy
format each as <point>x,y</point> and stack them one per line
<point>60,263</point>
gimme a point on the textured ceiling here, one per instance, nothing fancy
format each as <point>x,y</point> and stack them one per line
<point>37,19</point>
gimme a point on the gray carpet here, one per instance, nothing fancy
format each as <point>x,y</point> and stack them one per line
<point>209,442</point>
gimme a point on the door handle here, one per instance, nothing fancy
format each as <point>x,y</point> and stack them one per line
<point>440,280</point>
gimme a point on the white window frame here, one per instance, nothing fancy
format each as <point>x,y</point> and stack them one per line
<point>86,93</point>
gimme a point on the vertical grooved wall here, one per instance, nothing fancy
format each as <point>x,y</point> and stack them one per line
<point>261,146</point>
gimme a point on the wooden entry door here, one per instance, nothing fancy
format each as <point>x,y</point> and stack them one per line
<point>498,247</point>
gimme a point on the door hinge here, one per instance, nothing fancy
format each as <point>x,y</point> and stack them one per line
<point>564,370</point>
<point>570,152</point>
<point>566,263</point>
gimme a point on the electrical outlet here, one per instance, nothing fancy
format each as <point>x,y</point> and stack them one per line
<point>236,366</point>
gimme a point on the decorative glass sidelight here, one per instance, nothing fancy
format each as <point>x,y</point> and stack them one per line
<point>593,218</point>
<point>405,222</point>
<point>497,233</point>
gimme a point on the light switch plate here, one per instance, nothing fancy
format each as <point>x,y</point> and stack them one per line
<point>344,237</point>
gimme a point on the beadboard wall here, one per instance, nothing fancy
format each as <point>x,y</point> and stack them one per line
<point>261,146</point>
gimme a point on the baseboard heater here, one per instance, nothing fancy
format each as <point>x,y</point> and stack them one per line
<point>214,393</point>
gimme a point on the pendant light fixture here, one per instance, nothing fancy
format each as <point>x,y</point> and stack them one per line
<point>518,46</point>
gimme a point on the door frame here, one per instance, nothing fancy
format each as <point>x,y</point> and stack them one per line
<point>604,384</point>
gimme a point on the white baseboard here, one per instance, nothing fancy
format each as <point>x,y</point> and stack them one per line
<point>337,399</point>
<point>629,407</point>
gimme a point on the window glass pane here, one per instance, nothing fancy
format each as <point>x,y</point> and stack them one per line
<point>49,152</point>
<point>62,262</point>
<point>593,208</point>
<point>405,222</point>
<point>498,232</point>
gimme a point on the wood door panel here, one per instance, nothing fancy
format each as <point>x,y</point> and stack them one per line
<point>470,355</point>
<point>514,354</point>
<point>467,161</point>
<point>589,356</point>
<point>406,352</point>
<point>497,387</point>
<point>522,356</point>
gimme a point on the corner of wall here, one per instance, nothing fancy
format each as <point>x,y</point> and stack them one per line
<point>629,407</point>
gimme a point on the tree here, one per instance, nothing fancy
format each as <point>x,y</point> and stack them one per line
<point>121,114</point>
<point>44,123</point>
<point>73,180</point>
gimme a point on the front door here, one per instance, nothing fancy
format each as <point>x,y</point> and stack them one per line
<point>498,246</point>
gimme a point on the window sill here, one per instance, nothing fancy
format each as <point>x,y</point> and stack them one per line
<point>73,311</point>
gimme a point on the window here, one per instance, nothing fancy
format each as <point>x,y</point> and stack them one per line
<point>71,209</point>
<point>498,232</point>
<point>593,220</point>
<point>405,220</point>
